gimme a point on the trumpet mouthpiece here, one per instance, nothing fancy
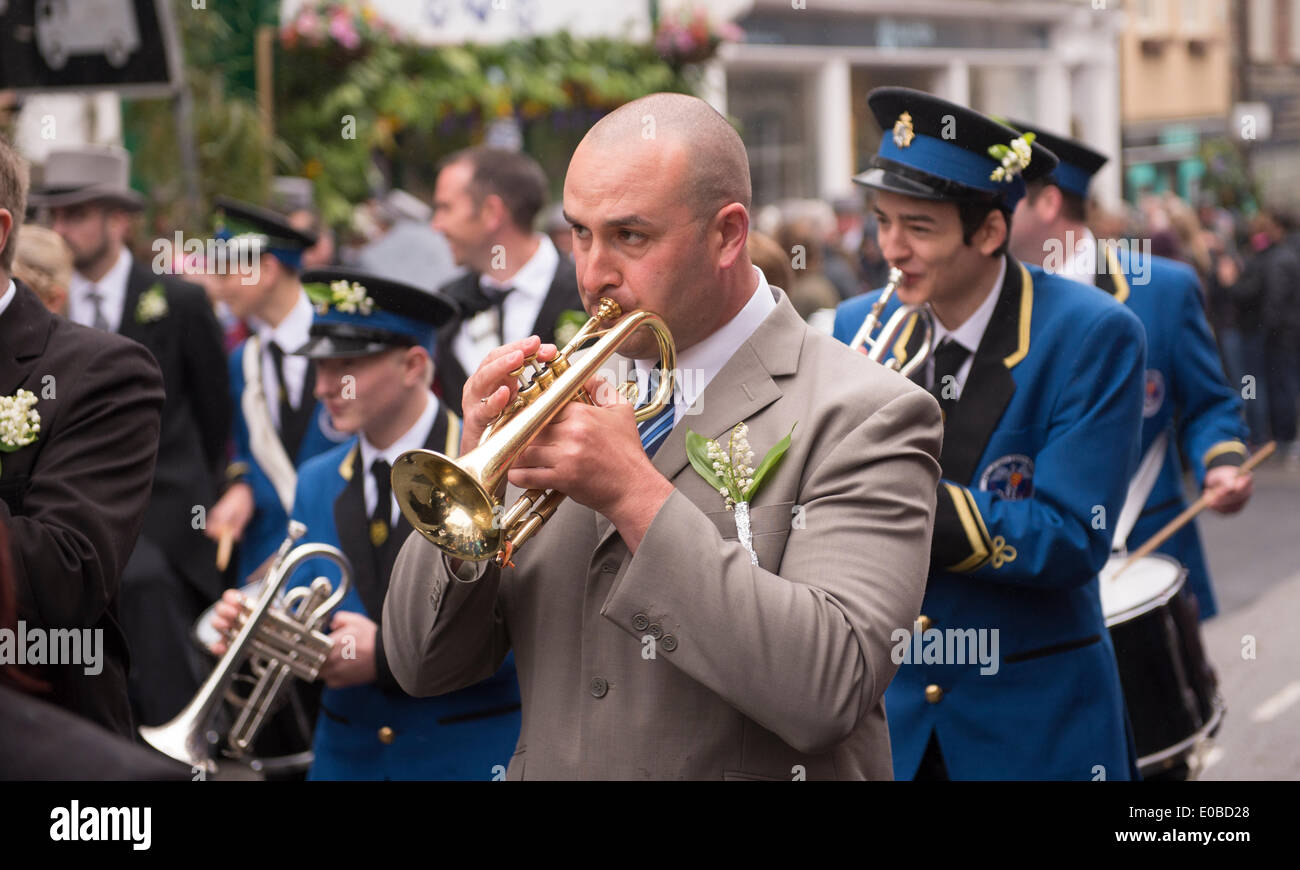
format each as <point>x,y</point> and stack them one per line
<point>608,309</point>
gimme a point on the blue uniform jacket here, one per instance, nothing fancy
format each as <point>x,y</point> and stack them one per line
<point>377,731</point>
<point>1187,395</point>
<point>266,529</point>
<point>1037,455</point>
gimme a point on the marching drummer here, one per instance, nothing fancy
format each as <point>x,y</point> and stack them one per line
<point>1186,397</point>
<point>1040,380</point>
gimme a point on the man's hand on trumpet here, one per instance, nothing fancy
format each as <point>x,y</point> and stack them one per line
<point>590,453</point>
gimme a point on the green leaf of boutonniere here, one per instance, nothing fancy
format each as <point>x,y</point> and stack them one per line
<point>769,464</point>
<point>697,451</point>
<point>568,324</point>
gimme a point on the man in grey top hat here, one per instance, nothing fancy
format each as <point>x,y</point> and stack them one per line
<point>410,250</point>
<point>171,574</point>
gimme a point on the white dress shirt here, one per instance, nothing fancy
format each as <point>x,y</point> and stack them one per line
<point>412,439</point>
<point>968,334</point>
<point>112,291</point>
<point>700,363</point>
<point>291,334</point>
<point>478,335</point>
<point>9,296</point>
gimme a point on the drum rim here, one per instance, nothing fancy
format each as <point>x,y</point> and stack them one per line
<point>1184,746</point>
<point>1160,600</point>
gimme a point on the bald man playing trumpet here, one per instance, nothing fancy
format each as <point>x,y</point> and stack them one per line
<point>653,641</point>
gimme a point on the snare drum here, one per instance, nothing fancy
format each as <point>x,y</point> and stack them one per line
<point>1169,686</point>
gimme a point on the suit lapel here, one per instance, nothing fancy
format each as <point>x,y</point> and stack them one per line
<point>990,385</point>
<point>744,386</point>
<point>562,295</point>
<point>24,331</point>
<point>353,529</point>
<point>136,282</point>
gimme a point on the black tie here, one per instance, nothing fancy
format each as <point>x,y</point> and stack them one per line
<point>948,360</point>
<point>381,518</point>
<point>293,420</point>
<point>496,297</point>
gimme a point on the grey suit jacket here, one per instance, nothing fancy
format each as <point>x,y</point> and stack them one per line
<point>686,661</point>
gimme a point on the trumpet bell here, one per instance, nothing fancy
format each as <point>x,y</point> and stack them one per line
<point>448,505</point>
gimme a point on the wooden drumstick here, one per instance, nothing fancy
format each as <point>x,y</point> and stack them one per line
<point>1192,510</point>
<point>224,543</point>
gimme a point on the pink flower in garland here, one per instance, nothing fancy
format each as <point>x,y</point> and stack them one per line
<point>343,30</point>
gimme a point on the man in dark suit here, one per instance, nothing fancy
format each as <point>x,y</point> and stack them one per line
<point>74,483</point>
<point>518,285</point>
<point>172,572</point>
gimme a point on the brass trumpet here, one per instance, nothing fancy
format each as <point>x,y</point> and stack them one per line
<point>878,345</point>
<point>453,502</point>
<point>280,639</point>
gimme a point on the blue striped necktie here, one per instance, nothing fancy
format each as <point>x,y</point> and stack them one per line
<point>655,430</point>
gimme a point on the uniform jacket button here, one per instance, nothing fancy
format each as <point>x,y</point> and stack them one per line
<point>640,621</point>
<point>925,621</point>
<point>599,687</point>
<point>386,735</point>
<point>655,630</point>
<point>933,693</point>
<point>668,644</point>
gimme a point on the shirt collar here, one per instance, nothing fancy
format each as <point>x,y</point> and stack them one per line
<point>112,285</point>
<point>293,332</point>
<point>8,296</point>
<point>700,363</point>
<point>969,334</point>
<point>412,439</point>
<point>533,279</point>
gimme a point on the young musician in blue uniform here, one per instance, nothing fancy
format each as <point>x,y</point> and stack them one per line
<point>278,422</point>
<point>1040,381</point>
<point>372,342</point>
<point>1188,400</point>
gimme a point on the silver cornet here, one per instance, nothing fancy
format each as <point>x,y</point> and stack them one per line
<point>280,638</point>
<point>878,345</point>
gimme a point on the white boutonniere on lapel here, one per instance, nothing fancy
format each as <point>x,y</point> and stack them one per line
<point>567,325</point>
<point>20,423</point>
<point>731,472</point>
<point>152,305</point>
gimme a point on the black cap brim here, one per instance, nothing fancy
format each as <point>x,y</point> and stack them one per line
<point>894,177</point>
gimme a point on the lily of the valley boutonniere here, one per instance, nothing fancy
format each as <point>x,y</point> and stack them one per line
<point>20,424</point>
<point>152,305</point>
<point>730,471</point>
<point>1015,157</point>
<point>568,324</point>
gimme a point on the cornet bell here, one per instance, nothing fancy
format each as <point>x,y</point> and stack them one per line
<point>447,504</point>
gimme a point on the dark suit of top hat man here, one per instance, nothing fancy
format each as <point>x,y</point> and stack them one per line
<point>485,203</point>
<point>78,440</point>
<point>371,342</point>
<point>172,569</point>
<point>1188,399</point>
<point>278,424</point>
<point>1040,380</point>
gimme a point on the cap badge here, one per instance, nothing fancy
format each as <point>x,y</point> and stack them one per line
<point>903,132</point>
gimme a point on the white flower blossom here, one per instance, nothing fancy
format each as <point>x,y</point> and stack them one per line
<point>20,424</point>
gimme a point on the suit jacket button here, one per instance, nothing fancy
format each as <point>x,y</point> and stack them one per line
<point>668,644</point>
<point>386,735</point>
<point>655,630</point>
<point>925,622</point>
<point>933,693</point>
<point>640,621</point>
<point>599,687</point>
